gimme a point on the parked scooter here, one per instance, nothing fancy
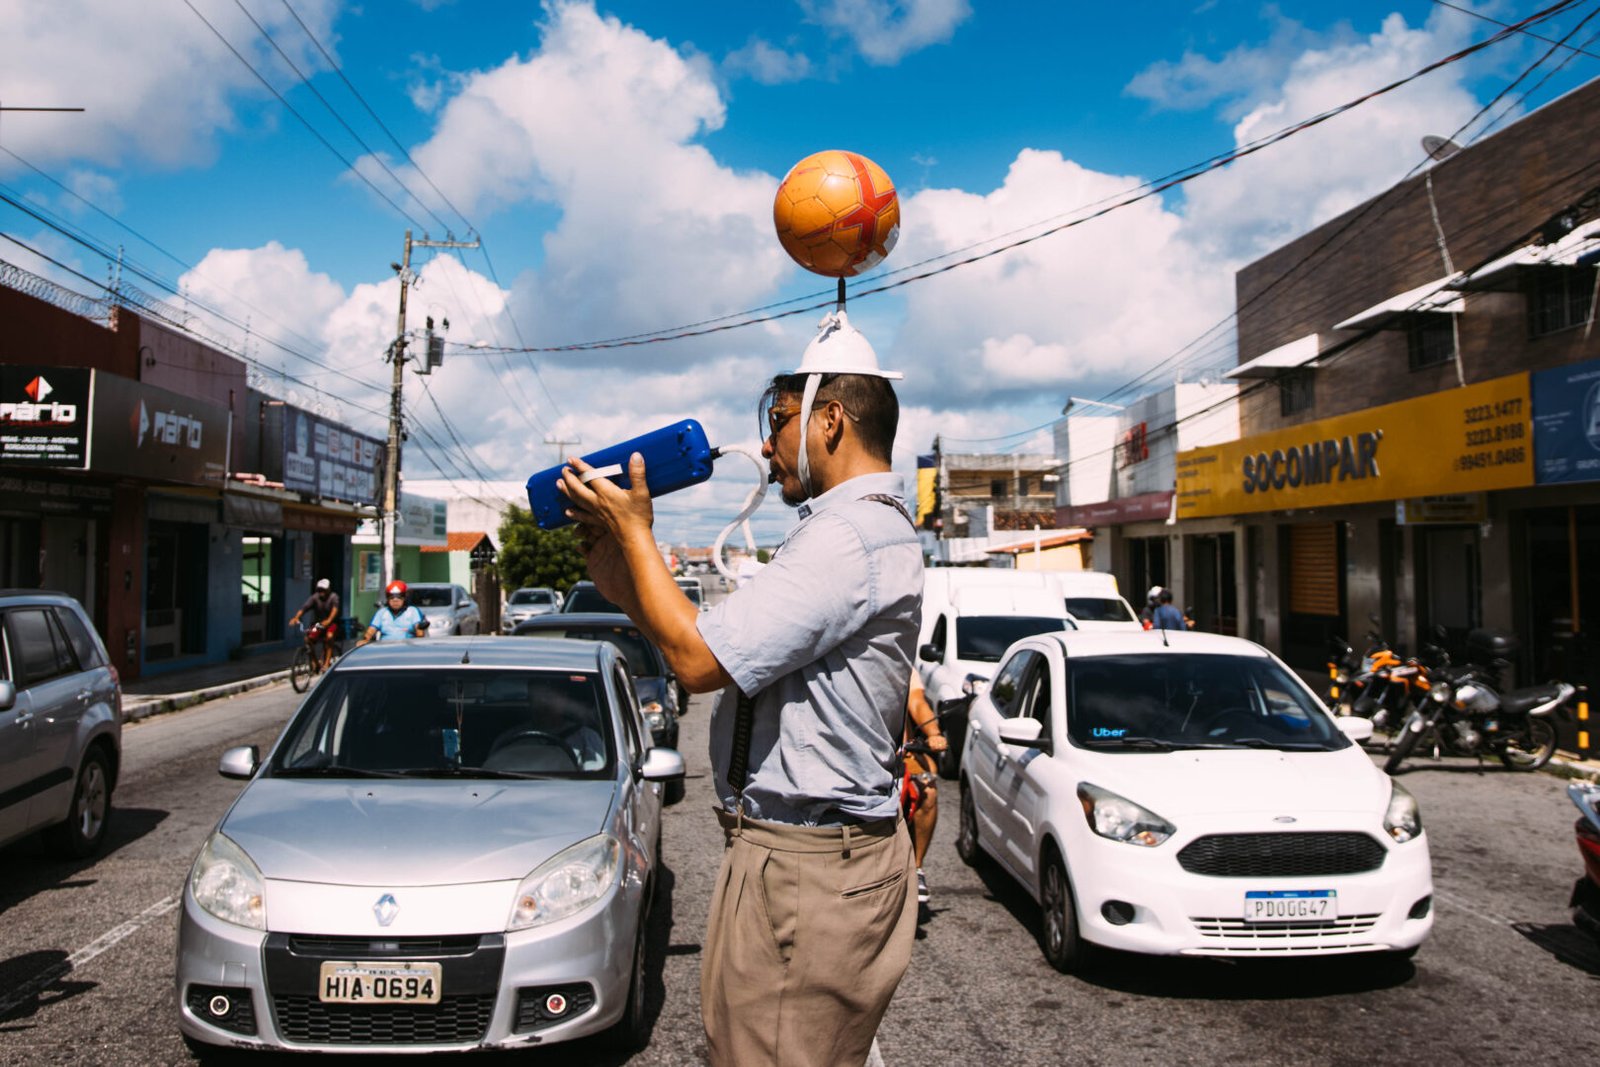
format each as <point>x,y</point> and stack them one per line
<point>1585,901</point>
<point>1465,715</point>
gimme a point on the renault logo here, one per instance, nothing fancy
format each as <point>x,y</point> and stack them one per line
<point>386,909</point>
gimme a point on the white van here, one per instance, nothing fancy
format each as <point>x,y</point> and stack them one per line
<point>1091,597</point>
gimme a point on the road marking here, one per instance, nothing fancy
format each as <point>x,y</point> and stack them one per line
<point>1460,905</point>
<point>104,943</point>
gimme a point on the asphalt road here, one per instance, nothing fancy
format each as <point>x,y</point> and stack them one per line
<point>87,948</point>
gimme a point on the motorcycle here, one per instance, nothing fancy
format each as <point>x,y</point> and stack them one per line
<point>1465,715</point>
<point>1585,901</point>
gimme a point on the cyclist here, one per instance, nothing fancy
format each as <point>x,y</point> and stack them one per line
<point>922,725</point>
<point>323,606</point>
<point>398,618</point>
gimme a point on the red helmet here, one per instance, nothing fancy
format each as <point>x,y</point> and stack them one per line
<point>395,588</point>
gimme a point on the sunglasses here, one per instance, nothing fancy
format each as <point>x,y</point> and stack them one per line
<point>778,415</point>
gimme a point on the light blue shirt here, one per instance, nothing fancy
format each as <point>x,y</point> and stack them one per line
<point>406,624</point>
<point>824,637</point>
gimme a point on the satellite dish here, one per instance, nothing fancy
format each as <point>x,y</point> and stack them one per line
<point>1439,149</point>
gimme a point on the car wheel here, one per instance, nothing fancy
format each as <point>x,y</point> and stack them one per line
<point>85,827</point>
<point>1063,946</point>
<point>630,1032</point>
<point>967,828</point>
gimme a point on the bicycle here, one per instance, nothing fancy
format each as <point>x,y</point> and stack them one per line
<point>304,668</point>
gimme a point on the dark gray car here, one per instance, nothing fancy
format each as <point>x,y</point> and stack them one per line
<point>60,723</point>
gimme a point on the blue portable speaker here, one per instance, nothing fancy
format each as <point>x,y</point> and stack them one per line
<point>675,457</point>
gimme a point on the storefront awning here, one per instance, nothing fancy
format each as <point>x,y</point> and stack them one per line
<point>1580,248</point>
<point>1292,356</point>
<point>1397,312</point>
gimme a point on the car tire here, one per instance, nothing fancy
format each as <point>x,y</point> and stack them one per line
<point>1059,935</point>
<point>629,1033</point>
<point>967,846</point>
<point>84,830</point>
<point>672,792</point>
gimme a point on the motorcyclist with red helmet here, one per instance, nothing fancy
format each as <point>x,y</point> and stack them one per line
<point>398,618</point>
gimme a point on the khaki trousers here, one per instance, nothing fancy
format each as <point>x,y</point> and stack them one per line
<point>810,932</point>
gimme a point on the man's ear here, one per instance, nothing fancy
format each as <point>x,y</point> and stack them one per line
<point>833,424</point>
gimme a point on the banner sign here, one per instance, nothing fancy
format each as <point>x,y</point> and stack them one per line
<point>1468,440</point>
<point>1145,507</point>
<point>146,432</point>
<point>44,416</point>
<point>1566,423</point>
<point>324,458</point>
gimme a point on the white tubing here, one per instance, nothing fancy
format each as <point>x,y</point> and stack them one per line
<point>751,503</point>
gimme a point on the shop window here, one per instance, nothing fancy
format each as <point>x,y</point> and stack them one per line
<point>997,487</point>
<point>259,618</point>
<point>1022,485</point>
<point>1560,298</point>
<point>1430,342</point>
<point>1296,392</point>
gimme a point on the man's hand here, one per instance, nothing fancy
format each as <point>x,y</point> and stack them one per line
<point>607,515</point>
<point>938,743</point>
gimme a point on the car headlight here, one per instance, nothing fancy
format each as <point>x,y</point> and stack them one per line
<point>568,882</point>
<point>228,884</point>
<point>1403,819</point>
<point>443,625</point>
<point>1120,819</point>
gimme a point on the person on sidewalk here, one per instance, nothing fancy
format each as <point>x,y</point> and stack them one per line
<point>1166,616</point>
<point>813,915</point>
<point>322,605</point>
<point>923,722</point>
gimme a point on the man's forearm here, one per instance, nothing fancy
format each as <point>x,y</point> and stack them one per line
<point>668,617</point>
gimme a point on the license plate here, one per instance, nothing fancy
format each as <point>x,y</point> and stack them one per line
<point>1291,905</point>
<point>380,983</point>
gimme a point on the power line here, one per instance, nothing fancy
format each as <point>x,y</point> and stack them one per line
<point>1497,22</point>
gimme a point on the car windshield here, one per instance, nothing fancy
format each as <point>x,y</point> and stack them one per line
<point>588,598</point>
<point>634,646</point>
<point>1140,702</point>
<point>692,592</point>
<point>985,638</point>
<point>1099,609</point>
<point>525,597</point>
<point>424,596</point>
<point>436,723</point>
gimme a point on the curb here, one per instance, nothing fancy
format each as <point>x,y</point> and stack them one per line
<point>143,709</point>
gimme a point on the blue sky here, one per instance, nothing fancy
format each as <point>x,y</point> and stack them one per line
<point>619,160</point>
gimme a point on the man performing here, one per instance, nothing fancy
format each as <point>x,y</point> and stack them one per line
<point>814,915</point>
<point>323,605</point>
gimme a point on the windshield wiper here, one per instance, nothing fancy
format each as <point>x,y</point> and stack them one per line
<point>1135,742</point>
<point>332,770</point>
<point>466,772</point>
<point>1261,742</point>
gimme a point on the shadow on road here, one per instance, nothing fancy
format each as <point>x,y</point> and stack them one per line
<point>32,869</point>
<point>32,982</point>
<point>1566,943</point>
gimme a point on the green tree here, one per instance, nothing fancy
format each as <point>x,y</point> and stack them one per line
<point>531,556</point>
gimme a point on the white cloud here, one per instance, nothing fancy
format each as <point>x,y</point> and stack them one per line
<point>98,189</point>
<point>155,84</point>
<point>886,31</point>
<point>767,64</point>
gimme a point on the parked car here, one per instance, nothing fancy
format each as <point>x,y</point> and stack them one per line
<point>439,853</point>
<point>964,633</point>
<point>692,589</point>
<point>584,597</point>
<point>1094,602</point>
<point>1187,794</point>
<point>449,609</point>
<point>60,724</point>
<point>528,603</point>
<point>654,681</point>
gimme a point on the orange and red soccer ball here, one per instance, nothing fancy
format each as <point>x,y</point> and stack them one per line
<point>837,213</point>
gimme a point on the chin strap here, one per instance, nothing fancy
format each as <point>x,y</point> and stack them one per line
<point>803,468</point>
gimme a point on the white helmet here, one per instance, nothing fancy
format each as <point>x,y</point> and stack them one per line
<point>838,348</point>
<point>1154,593</point>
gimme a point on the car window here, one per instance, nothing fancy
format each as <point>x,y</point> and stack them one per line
<point>641,655</point>
<point>432,723</point>
<point>1035,700</point>
<point>986,637</point>
<point>1100,609</point>
<point>938,638</point>
<point>1192,701</point>
<point>588,598</point>
<point>78,636</point>
<point>39,649</point>
<point>425,597</point>
<point>629,703</point>
<point>1007,683</point>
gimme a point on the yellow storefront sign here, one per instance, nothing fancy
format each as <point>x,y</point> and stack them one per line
<point>1469,440</point>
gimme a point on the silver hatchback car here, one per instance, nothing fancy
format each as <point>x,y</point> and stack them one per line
<point>60,723</point>
<point>453,845</point>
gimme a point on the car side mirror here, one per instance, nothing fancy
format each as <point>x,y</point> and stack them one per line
<point>240,762</point>
<point>8,695</point>
<point>929,653</point>
<point>1025,733</point>
<point>661,765</point>
<point>1355,727</point>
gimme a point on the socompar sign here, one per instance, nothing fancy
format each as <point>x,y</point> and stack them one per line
<point>1466,440</point>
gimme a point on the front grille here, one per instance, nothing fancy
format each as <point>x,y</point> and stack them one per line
<point>1286,855</point>
<point>532,1013</point>
<point>452,1021</point>
<point>240,1015</point>
<point>1224,934</point>
<point>343,948</point>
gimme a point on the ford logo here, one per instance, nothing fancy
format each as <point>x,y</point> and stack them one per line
<point>1280,818</point>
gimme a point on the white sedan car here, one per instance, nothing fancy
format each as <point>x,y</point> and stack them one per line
<point>1186,794</point>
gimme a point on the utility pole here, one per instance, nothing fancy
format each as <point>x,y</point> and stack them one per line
<point>389,519</point>
<point>560,444</point>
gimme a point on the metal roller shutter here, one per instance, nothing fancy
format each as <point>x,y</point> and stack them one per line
<point>1314,568</point>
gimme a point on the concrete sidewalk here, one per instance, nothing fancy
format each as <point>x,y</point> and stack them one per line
<point>213,681</point>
